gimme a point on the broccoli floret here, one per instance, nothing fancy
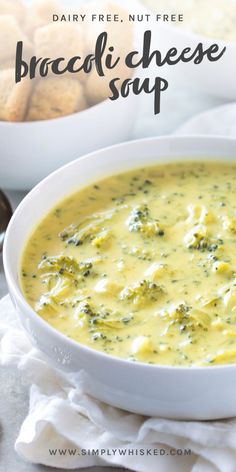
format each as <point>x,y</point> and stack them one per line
<point>64,265</point>
<point>141,292</point>
<point>102,319</point>
<point>88,230</point>
<point>187,318</point>
<point>141,221</point>
<point>206,244</point>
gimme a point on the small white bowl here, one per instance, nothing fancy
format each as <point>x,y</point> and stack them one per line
<point>172,392</point>
<point>29,151</point>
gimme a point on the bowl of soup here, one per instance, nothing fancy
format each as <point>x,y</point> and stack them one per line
<point>124,268</point>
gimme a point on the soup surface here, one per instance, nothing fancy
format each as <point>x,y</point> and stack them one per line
<point>142,265</point>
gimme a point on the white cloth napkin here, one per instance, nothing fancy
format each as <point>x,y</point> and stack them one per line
<point>219,121</point>
<point>62,417</point>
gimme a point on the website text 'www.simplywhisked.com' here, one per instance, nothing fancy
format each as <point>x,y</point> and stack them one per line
<point>120,452</point>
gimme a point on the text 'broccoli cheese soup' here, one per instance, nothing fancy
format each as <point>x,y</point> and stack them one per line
<point>142,265</point>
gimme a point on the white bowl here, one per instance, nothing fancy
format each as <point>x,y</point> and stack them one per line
<point>173,392</point>
<point>30,151</point>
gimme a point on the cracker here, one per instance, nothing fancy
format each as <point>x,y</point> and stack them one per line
<point>8,63</point>
<point>64,40</point>
<point>40,13</point>
<point>55,97</point>
<point>120,34</point>
<point>10,33</point>
<point>13,97</point>
<point>13,7</point>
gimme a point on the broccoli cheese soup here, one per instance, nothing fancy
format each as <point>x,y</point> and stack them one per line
<point>142,265</point>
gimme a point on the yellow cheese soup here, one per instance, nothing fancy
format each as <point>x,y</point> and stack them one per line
<point>142,265</point>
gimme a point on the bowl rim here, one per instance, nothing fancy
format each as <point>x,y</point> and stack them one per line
<point>57,119</point>
<point>18,295</point>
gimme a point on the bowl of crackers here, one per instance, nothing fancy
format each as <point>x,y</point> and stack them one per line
<point>46,122</point>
